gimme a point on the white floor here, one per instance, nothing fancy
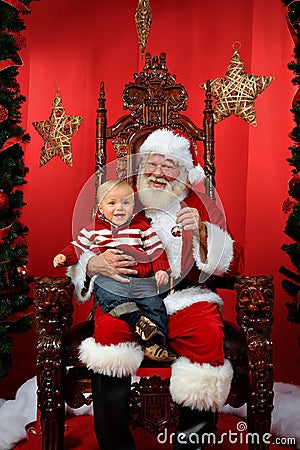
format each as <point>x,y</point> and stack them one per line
<point>15,414</point>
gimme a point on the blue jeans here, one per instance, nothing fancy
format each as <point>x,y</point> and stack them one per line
<point>138,298</point>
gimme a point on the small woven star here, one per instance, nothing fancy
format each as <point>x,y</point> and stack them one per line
<point>236,92</point>
<point>57,133</point>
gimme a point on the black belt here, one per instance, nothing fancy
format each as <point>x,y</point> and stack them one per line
<point>178,284</point>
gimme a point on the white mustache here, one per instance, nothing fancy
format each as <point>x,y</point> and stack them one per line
<point>157,179</point>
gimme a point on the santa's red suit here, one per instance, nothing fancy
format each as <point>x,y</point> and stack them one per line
<point>200,378</point>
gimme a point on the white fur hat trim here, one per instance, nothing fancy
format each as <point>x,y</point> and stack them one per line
<point>165,142</point>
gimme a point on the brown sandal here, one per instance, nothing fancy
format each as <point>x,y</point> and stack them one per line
<point>145,328</point>
<point>157,353</point>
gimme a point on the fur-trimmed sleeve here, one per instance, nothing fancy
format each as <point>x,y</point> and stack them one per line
<point>83,284</point>
<point>219,251</point>
<point>225,256</point>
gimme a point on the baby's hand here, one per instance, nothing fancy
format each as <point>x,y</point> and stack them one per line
<point>59,260</point>
<point>161,277</point>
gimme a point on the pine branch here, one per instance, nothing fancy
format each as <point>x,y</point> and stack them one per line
<point>289,274</point>
<point>14,282</point>
<point>292,283</point>
<point>292,228</point>
<point>291,288</point>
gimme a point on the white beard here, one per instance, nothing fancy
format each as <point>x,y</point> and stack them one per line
<point>159,199</point>
<point>160,207</point>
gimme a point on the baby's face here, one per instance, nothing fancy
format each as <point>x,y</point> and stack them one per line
<point>118,204</point>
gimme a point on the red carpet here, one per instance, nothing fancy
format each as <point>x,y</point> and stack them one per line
<point>80,435</point>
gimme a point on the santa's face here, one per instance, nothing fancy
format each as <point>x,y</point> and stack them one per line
<point>160,171</point>
<point>160,181</point>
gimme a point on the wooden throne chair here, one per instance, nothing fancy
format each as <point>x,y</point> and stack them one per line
<point>154,99</point>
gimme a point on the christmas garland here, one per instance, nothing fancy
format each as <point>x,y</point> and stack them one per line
<point>291,283</point>
<point>14,282</point>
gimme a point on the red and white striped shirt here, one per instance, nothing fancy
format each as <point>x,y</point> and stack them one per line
<point>135,237</point>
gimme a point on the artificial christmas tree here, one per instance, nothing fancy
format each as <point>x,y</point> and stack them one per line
<point>292,282</point>
<point>14,282</point>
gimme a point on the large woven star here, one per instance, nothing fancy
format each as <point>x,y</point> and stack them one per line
<point>236,92</point>
<point>57,133</point>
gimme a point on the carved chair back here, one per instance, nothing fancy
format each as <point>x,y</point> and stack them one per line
<point>153,100</point>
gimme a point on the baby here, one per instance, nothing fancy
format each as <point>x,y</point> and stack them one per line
<point>137,302</point>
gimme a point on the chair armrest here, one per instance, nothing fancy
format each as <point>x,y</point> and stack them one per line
<point>255,300</point>
<point>53,317</point>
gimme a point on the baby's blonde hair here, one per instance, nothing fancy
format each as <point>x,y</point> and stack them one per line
<point>107,186</point>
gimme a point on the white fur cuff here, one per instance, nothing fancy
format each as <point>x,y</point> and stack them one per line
<point>200,386</point>
<point>219,251</point>
<point>78,277</point>
<point>113,360</point>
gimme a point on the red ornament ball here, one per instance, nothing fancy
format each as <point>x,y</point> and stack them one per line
<point>22,271</point>
<point>3,113</point>
<point>3,201</point>
<point>176,231</point>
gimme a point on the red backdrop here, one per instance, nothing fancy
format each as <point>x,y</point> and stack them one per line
<point>76,47</point>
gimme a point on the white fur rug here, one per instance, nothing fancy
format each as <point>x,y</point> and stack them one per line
<point>15,414</point>
<point>286,413</point>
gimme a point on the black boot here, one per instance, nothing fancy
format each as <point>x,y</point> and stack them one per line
<point>111,412</point>
<point>191,429</point>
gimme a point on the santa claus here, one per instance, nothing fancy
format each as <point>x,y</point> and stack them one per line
<point>198,245</point>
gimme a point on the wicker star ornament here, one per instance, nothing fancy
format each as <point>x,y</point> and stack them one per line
<point>57,133</point>
<point>236,92</point>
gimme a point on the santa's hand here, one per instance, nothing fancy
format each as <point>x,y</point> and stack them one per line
<point>189,219</point>
<point>112,263</point>
<point>161,277</point>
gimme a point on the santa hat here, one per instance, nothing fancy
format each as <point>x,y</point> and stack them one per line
<point>172,145</point>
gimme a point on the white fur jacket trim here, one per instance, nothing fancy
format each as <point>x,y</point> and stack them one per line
<point>219,251</point>
<point>78,276</point>
<point>119,360</point>
<point>200,386</point>
<point>187,297</point>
